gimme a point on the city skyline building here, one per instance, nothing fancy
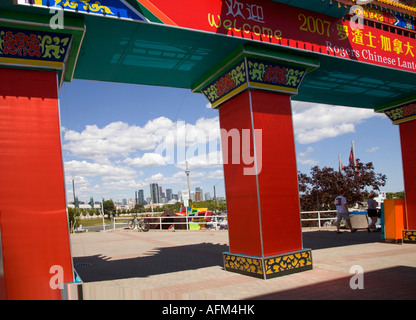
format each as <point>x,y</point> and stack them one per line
<point>140,197</point>
<point>154,193</point>
<point>169,194</point>
<point>157,196</point>
<point>198,194</point>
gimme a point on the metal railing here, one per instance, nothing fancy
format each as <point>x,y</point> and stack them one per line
<point>321,216</point>
<point>220,221</point>
<point>216,221</point>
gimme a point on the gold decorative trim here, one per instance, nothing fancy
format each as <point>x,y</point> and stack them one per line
<point>409,236</point>
<point>243,264</point>
<point>269,267</point>
<point>398,5</point>
<point>288,262</point>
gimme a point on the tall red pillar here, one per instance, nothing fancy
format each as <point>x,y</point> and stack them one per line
<point>35,255</point>
<point>33,219</point>
<point>408,145</point>
<point>404,114</point>
<point>253,90</point>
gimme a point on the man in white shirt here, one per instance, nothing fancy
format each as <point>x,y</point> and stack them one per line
<point>342,211</point>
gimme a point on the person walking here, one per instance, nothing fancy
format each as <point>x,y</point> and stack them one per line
<point>342,211</point>
<point>372,212</point>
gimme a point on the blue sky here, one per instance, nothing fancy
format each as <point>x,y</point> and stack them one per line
<point>115,139</point>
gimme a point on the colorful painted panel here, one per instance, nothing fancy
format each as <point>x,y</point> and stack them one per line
<point>402,113</point>
<point>269,267</point>
<point>231,82</point>
<point>409,236</point>
<point>293,262</point>
<point>243,264</point>
<point>274,76</point>
<point>388,17</point>
<point>106,8</point>
<point>33,48</point>
<point>260,74</point>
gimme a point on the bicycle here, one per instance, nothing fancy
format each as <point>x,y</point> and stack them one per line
<point>142,225</point>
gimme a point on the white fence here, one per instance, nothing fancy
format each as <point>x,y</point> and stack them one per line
<point>328,216</point>
<point>216,222</point>
<point>220,221</point>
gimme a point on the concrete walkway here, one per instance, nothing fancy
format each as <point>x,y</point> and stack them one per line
<point>187,265</point>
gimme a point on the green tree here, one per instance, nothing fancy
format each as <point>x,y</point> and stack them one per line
<point>109,208</point>
<point>395,195</point>
<point>173,207</point>
<point>210,204</point>
<point>318,191</point>
<point>73,217</point>
<point>138,208</point>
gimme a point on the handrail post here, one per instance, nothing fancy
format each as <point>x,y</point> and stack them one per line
<point>319,219</point>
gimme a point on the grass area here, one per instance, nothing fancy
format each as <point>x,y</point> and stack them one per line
<point>93,222</point>
<point>99,221</point>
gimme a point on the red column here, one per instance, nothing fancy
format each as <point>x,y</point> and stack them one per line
<point>263,209</point>
<point>33,218</point>
<point>408,145</point>
<point>252,89</point>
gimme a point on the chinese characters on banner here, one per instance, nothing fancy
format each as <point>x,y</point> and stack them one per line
<point>283,25</point>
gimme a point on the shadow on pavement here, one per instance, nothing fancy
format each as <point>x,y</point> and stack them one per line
<point>322,239</point>
<point>157,261</point>
<point>188,257</point>
<point>396,283</point>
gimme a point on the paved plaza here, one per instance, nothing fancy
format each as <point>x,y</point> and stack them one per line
<point>188,265</point>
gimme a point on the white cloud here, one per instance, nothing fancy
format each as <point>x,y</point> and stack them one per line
<point>120,140</point>
<point>202,161</point>
<point>116,139</point>
<point>88,169</point>
<point>97,178</point>
<point>179,179</point>
<point>316,134</point>
<point>147,160</point>
<point>215,175</point>
<point>315,122</point>
<point>373,149</point>
<point>305,157</point>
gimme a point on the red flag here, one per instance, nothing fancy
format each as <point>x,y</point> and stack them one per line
<point>352,158</point>
<point>340,167</point>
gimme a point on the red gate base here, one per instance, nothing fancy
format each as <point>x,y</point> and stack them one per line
<point>269,267</point>
<point>409,236</point>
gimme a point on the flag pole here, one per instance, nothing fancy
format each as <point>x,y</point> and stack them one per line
<point>339,164</point>
<point>353,152</point>
<point>353,157</point>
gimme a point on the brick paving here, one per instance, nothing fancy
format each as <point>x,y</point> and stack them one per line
<point>187,265</point>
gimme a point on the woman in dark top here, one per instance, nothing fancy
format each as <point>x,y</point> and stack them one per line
<point>372,212</point>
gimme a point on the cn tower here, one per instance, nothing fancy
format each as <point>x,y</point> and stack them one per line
<point>187,177</point>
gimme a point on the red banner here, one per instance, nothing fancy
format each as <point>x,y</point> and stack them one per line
<point>279,24</point>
